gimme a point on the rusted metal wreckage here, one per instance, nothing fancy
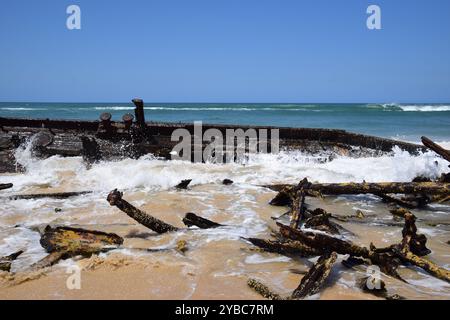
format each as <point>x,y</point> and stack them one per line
<point>133,137</point>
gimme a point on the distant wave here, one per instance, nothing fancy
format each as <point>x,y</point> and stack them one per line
<point>412,107</point>
<point>110,108</point>
<point>22,109</point>
<point>443,143</point>
<point>430,108</point>
<point>311,108</point>
<point>224,109</point>
<point>392,107</point>
<point>206,108</point>
<point>293,107</point>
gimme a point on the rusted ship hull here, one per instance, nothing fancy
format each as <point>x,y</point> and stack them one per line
<point>108,140</point>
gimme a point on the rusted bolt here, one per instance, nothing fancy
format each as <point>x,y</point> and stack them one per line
<point>105,117</point>
<point>128,120</point>
<point>114,197</point>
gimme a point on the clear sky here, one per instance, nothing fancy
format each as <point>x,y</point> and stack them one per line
<point>225,51</point>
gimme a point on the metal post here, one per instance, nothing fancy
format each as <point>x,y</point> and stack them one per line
<point>139,112</point>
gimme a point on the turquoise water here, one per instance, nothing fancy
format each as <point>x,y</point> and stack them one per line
<point>401,121</point>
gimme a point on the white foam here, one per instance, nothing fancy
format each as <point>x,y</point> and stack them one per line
<point>422,108</point>
<point>111,108</point>
<point>411,107</point>
<point>22,109</point>
<point>149,173</point>
<point>26,240</point>
<point>444,144</point>
<point>431,283</point>
<point>259,259</point>
<point>40,172</point>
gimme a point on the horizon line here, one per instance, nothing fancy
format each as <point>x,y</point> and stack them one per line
<point>234,102</point>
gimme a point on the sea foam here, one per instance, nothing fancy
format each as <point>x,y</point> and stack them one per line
<point>150,173</point>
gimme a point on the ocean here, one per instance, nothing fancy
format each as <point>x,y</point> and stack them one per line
<point>218,262</point>
<point>400,121</point>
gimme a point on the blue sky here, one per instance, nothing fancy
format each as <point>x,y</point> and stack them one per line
<point>225,51</point>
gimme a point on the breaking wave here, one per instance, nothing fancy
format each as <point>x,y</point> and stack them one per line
<point>430,108</point>
<point>150,173</point>
<point>112,108</point>
<point>22,109</point>
<point>412,107</point>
